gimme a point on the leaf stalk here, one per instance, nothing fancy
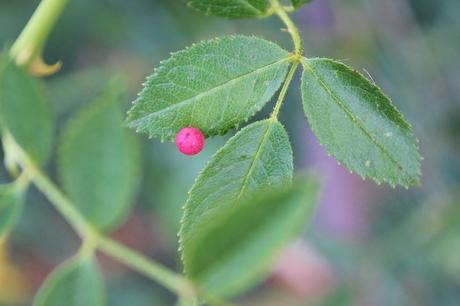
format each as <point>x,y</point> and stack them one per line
<point>93,240</point>
<point>281,11</point>
<point>287,82</point>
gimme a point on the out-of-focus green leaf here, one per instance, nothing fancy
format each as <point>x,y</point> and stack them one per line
<point>234,250</point>
<point>134,290</point>
<point>214,86</point>
<point>24,112</point>
<point>231,8</point>
<point>257,157</point>
<point>11,204</point>
<point>164,166</point>
<point>358,124</point>
<point>99,162</point>
<point>74,283</point>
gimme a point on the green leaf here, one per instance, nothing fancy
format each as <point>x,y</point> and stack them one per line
<point>74,283</point>
<point>299,3</point>
<point>257,157</point>
<point>232,8</point>
<point>235,249</point>
<point>214,86</point>
<point>99,162</point>
<point>358,124</point>
<point>11,205</point>
<point>24,112</point>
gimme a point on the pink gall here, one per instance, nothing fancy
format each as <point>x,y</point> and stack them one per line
<point>190,141</point>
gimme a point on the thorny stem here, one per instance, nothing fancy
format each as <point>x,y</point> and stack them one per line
<point>30,42</point>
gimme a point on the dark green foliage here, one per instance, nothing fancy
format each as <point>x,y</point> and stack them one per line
<point>299,3</point>
<point>358,124</point>
<point>258,157</point>
<point>214,86</point>
<point>243,208</point>
<point>231,8</point>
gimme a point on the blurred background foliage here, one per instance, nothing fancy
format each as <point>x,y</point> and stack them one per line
<point>369,245</point>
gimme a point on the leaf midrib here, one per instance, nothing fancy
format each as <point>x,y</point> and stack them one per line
<point>250,6</point>
<point>255,158</point>
<point>249,171</point>
<point>208,92</point>
<point>342,106</point>
<point>244,184</point>
<point>245,3</point>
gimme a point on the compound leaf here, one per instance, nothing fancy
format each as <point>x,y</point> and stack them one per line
<point>234,250</point>
<point>24,112</point>
<point>74,283</point>
<point>214,86</point>
<point>358,124</point>
<point>257,157</point>
<point>232,8</point>
<point>99,162</point>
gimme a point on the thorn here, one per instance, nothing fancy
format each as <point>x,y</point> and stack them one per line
<point>369,75</point>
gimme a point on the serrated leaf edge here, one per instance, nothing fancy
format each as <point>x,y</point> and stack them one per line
<point>162,66</point>
<point>258,13</point>
<point>311,187</point>
<point>409,132</point>
<point>186,209</point>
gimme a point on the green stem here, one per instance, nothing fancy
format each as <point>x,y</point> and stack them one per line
<point>59,200</point>
<point>281,11</point>
<point>10,154</point>
<point>287,82</point>
<point>30,42</point>
<point>144,265</point>
<point>92,240</point>
<point>291,27</point>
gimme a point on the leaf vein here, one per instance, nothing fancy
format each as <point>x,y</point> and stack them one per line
<point>208,92</point>
<point>343,107</point>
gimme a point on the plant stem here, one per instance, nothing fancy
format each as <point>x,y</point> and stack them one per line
<point>92,240</point>
<point>280,10</point>
<point>287,82</point>
<point>291,27</point>
<point>30,42</point>
<point>55,196</point>
<point>144,265</point>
